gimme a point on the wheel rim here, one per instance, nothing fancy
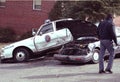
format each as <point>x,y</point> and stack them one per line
<point>20,56</point>
<point>96,56</point>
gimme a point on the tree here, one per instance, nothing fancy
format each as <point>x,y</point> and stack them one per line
<point>56,12</point>
<point>86,9</point>
<point>112,6</point>
<point>90,10</point>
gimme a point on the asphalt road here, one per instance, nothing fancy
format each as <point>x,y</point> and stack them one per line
<point>50,70</point>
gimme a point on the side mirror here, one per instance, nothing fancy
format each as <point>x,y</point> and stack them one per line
<point>34,31</point>
<point>41,33</point>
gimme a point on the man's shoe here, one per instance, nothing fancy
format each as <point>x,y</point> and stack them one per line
<point>108,71</point>
<point>102,71</point>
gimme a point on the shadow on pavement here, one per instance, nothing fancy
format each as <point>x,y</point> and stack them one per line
<point>86,76</point>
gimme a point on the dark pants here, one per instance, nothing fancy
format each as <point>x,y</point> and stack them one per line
<point>106,45</point>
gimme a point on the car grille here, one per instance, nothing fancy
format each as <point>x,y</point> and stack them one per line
<point>74,51</point>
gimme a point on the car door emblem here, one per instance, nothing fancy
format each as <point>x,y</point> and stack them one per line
<point>47,38</point>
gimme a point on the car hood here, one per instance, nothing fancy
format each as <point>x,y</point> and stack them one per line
<point>87,40</point>
<point>26,42</point>
<point>79,28</point>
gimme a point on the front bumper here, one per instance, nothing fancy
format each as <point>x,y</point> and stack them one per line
<point>71,58</point>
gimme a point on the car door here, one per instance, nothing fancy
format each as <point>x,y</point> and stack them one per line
<point>45,38</point>
<point>64,36</point>
<point>117,48</point>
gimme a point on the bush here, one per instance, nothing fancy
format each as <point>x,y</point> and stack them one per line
<point>7,35</point>
<point>26,35</point>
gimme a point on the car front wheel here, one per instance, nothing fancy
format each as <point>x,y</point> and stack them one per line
<point>95,56</point>
<point>21,55</point>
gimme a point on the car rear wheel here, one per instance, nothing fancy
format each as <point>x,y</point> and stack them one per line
<point>21,55</point>
<point>95,56</point>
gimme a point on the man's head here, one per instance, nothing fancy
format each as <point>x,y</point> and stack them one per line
<point>109,16</point>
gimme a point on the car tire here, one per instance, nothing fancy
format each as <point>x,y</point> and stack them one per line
<point>21,55</point>
<point>95,56</point>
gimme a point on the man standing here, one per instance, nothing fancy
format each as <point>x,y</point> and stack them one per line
<point>106,34</point>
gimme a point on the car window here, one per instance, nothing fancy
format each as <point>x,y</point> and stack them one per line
<point>46,29</point>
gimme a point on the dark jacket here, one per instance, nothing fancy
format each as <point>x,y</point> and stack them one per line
<point>106,31</point>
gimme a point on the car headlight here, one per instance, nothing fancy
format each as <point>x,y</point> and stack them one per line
<point>1,50</point>
<point>91,46</point>
<point>5,48</point>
